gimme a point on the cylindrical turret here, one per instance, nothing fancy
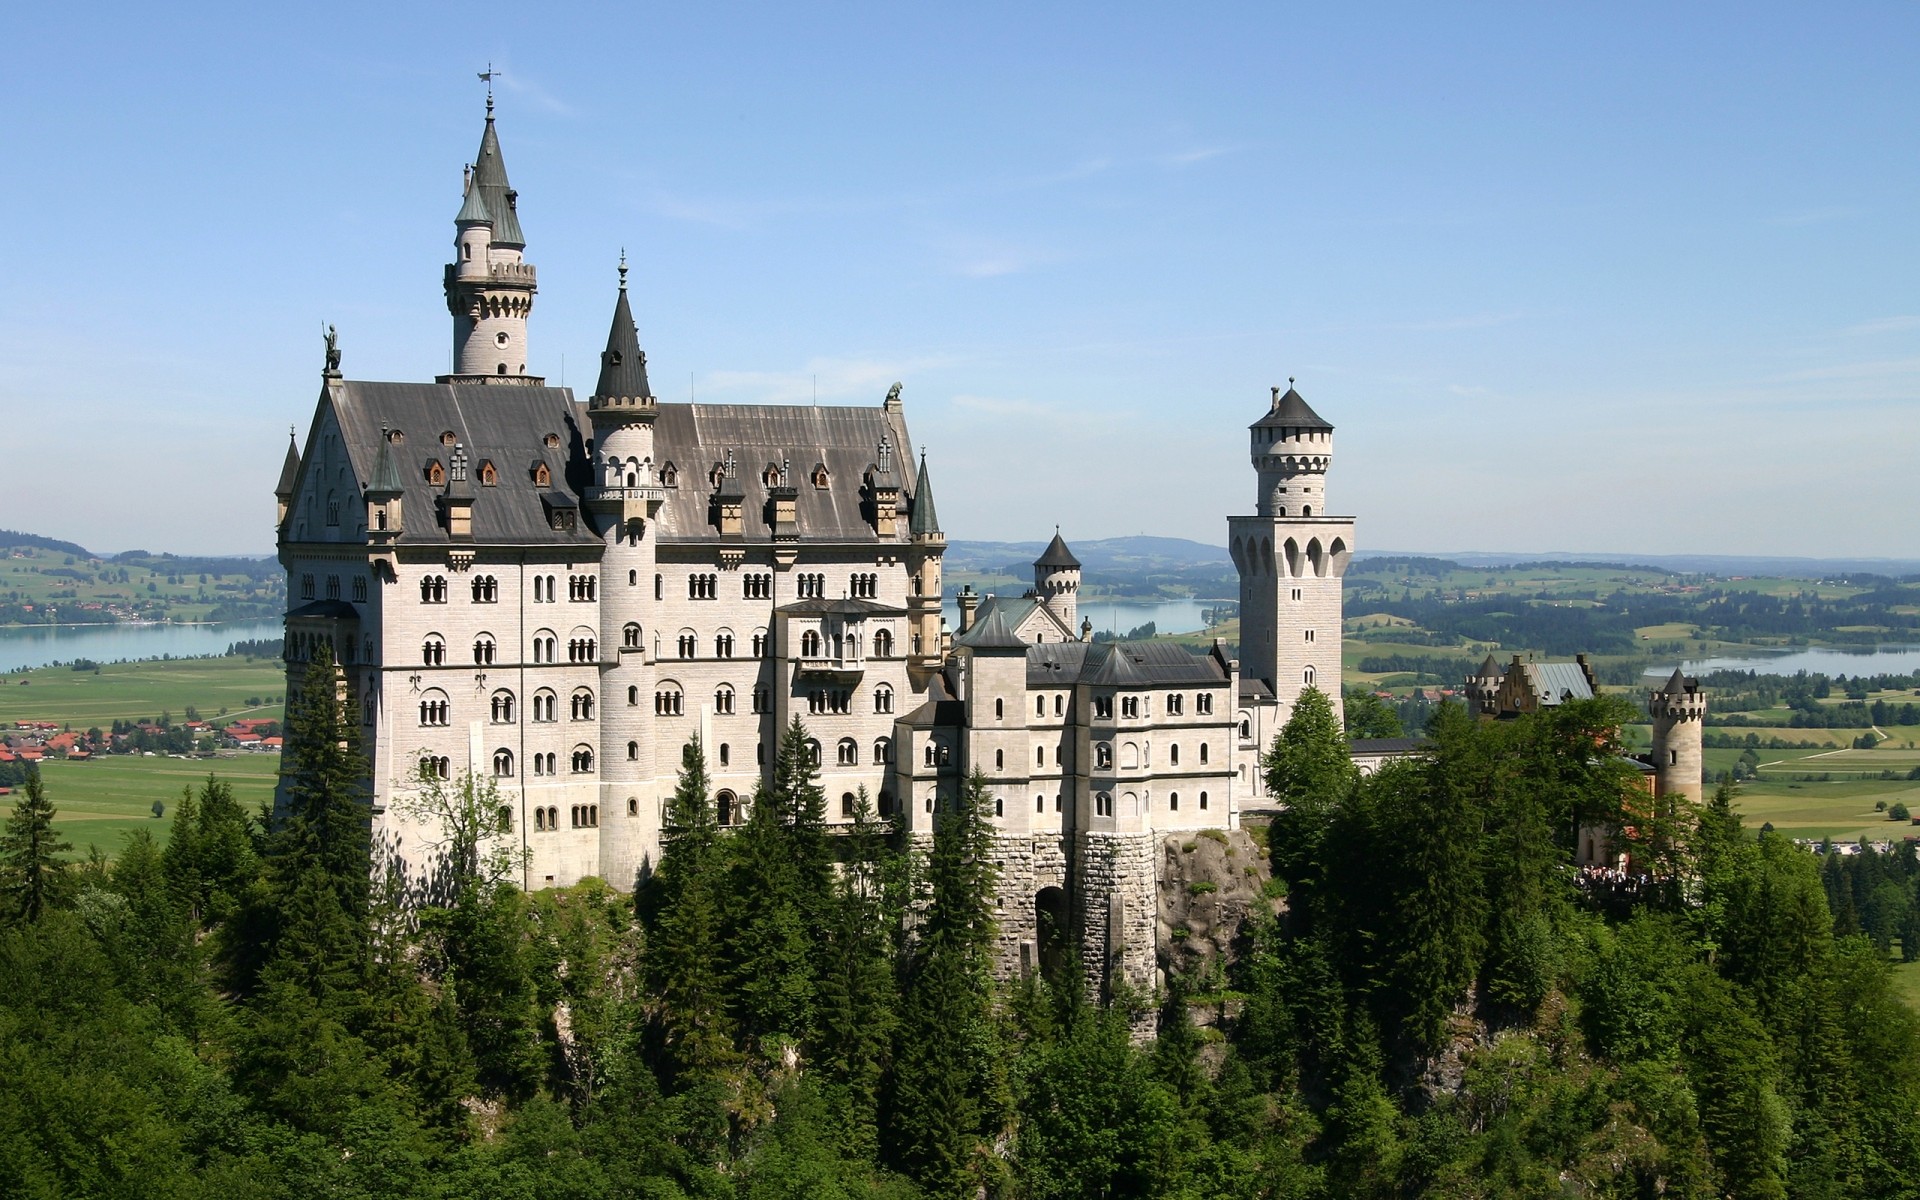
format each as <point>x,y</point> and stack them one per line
<point>1292,446</point>
<point>489,286</point>
<point>1679,712</point>
<point>1056,580</point>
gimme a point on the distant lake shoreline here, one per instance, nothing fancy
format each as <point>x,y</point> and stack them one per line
<point>30,646</point>
<point>1896,659</point>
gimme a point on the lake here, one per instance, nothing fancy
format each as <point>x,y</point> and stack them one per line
<point>1118,616</point>
<point>39,645</point>
<point>1881,660</point>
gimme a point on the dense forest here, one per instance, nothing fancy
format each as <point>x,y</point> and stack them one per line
<point>1442,1006</point>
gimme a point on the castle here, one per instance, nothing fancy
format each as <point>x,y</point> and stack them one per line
<point>560,595</point>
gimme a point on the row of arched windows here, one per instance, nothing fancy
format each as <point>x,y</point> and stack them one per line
<point>436,709</point>
<point>703,587</point>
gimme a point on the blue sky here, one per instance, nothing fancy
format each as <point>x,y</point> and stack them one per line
<point>1590,278</point>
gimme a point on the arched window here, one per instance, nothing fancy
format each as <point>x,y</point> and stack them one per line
<point>882,751</point>
<point>1103,756</point>
<point>883,698</point>
<point>503,763</point>
<point>723,699</point>
<point>999,709</point>
<point>668,701</point>
<point>1173,755</point>
<point>503,707</point>
<point>726,755</point>
<point>810,644</point>
<point>723,644</point>
<point>582,705</point>
<point>1103,805</point>
<point>1203,801</point>
<point>433,708</point>
<point>1246,728</point>
<point>630,636</point>
<point>726,806</point>
<point>633,751</point>
<point>1306,676</point>
<point>633,806</point>
<point>883,644</point>
<point>545,705</point>
<point>846,805</point>
<point>1203,752</point>
<point>483,650</point>
<point>999,759</point>
<point>1173,801</point>
<point>689,644</point>
<point>633,697</point>
<point>760,644</point>
<point>1039,804</point>
<point>540,820</point>
<point>848,753</point>
<point>435,767</point>
<point>813,752</point>
<point>582,760</point>
<point>503,820</point>
<point>486,589</point>
<point>433,651</point>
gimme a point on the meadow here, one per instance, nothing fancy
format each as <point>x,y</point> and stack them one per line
<point>130,691</point>
<point>101,801</point>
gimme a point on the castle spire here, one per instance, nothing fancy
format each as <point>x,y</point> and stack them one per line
<point>924,520</point>
<point>623,365</point>
<point>489,285</point>
<point>490,178</point>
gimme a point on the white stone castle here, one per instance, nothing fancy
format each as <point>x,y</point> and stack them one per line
<point>559,595</point>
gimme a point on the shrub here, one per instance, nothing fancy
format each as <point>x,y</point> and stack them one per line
<point>1898,812</point>
<point>1201,887</point>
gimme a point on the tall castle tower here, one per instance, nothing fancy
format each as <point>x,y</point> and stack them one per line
<point>624,498</point>
<point>925,548</point>
<point>1679,711</point>
<point>1291,556</point>
<point>489,286</point>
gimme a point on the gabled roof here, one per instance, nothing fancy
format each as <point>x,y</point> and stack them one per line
<point>1556,683</point>
<point>1291,411</point>
<point>623,367</point>
<point>992,632</point>
<point>1146,664</point>
<point>1057,555</point>
<point>490,180</point>
<point>924,519</point>
<point>289,471</point>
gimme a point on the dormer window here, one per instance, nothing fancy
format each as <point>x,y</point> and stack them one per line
<point>820,476</point>
<point>447,438</point>
<point>552,441</point>
<point>488,476</point>
<point>669,475</point>
<point>770,476</point>
<point>436,474</point>
<point>542,476</point>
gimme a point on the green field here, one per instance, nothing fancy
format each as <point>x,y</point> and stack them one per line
<point>99,802</point>
<point>129,691</point>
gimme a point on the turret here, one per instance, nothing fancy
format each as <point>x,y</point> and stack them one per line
<point>1292,446</point>
<point>925,547</point>
<point>1483,688</point>
<point>1056,579</point>
<point>289,479</point>
<point>489,287</point>
<point>884,484</point>
<point>1679,710</point>
<point>623,410</point>
<point>456,502</point>
<point>383,495</point>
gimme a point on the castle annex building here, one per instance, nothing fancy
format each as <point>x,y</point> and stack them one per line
<point>560,593</point>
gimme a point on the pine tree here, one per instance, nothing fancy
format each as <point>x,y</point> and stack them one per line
<point>772,954</point>
<point>945,1071</point>
<point>320,855</point>
<point>857,999</point>
<point>1309,771</point>
<point>685,947</point>
<point>35,875</point>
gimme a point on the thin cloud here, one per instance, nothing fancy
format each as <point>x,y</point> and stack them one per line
<point>833,379</point>
<point>1882,325</point>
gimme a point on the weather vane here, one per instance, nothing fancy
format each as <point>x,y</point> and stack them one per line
<point>486,77</point>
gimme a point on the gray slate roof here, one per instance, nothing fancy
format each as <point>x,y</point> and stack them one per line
<point>845,608</point>
<point>289,471</point>
<point>696,437</point>
<point>924,520</point>
<point>623,366</point>
<point>1057,555</point>
<point>1120,664</point>
<point>1678,683</point>
<point>1293,412</point>
<point>991,632</point>
<point>1560,681</point>
<point>473,210</point>
<point>490,180</point>
<point>386,477</point>
<point>505,425</point>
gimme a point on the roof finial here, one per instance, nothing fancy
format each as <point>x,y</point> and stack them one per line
<point>486,77</point>
<point>623,268</point>
<point>1289,381</point>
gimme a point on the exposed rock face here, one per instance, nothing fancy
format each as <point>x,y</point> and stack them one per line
<point>1210,883</point>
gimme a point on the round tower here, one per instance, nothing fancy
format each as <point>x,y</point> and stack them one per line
<point>1679,711</point>
<point>1056,580</point>
<point>624,499</point>
<point>489,286</point>
<point>1292,447</point>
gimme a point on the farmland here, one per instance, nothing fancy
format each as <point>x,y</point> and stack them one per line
<point>101,801</point>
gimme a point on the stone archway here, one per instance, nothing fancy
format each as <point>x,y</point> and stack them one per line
<point>1053,932</point>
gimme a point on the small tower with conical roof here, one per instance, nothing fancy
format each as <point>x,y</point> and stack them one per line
<point>289,480</point>
<point>925,547</point>
<point>1056,580</point>
<point>1679,710</point>
<point>625,498</point>
<point>1291,556</point>
<point>1483,688</point>
<point>489,284</point>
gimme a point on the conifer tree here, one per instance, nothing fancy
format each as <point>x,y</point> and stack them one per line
<point>772,954</point>
<point>320,855</point>
<point>685,948</point>
<point>1309,771</point>
<point>944,1072</point>
<point>35,874</point>
<point>858,1000</point>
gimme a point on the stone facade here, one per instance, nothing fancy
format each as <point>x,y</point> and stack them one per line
<point>556,596</point>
